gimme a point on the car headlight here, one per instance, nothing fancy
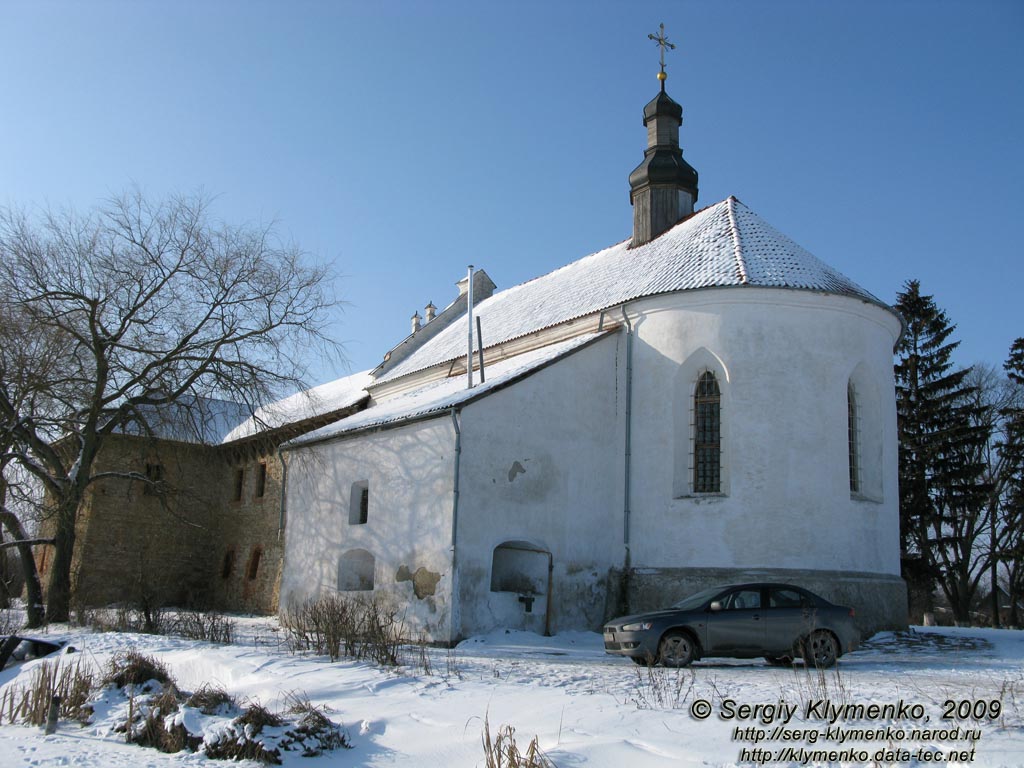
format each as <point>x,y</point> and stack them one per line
<point>640,626</point>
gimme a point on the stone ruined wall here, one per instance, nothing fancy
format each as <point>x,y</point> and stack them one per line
<point>134,545</point>
<point>249,540</point>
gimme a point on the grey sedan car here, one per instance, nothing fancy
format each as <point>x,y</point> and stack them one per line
<point>778,621</point>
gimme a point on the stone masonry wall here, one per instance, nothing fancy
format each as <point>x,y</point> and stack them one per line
<point>249,541</point>
<point>136,545</point>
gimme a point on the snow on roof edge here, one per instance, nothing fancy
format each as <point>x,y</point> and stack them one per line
<point>440,395</point>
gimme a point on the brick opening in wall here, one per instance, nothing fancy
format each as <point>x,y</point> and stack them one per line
<point>239,483</point>
<point>228,565</point>
<point>254,563</point>
<point>261,480</point>
<point>154,475</point>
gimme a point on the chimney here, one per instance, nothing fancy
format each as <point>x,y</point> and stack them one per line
<point>415,321</point>
<point>483,287</point>
<point>663,188</point>
<point>429,312</point>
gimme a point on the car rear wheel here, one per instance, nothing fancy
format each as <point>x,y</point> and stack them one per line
<point>676,649</point>
<point>820,649</point>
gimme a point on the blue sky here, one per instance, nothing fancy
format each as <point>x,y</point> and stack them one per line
<point>402,141</point>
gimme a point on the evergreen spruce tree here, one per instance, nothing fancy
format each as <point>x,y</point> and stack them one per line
<point>941,435</point>
<point>1012,449</point>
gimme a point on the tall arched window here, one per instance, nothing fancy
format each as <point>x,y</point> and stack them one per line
<point>853,439</point>
<point>707,435</point>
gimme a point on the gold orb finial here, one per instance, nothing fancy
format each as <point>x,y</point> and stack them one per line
<point>662,76</point>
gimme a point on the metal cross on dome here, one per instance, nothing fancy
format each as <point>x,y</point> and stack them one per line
<point>662,43</point>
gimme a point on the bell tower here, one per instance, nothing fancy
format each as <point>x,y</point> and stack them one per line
<point>663,188</point>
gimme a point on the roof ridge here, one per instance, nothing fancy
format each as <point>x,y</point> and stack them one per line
<point>734,230</point>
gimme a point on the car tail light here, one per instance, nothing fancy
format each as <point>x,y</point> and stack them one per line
<point>851,613</point>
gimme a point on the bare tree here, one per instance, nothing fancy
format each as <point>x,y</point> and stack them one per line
<point>141,308</point>
<point>991,393</point>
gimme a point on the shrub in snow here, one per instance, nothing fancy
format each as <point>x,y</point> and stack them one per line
<point>134,668</point>
<point>210,626</point>
<point>338,626</point>
<point>211,700</point>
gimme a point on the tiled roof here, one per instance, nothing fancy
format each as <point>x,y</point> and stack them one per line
<point>440,395</point>
<point>725,244</point>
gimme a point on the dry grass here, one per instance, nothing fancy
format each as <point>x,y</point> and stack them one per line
<point>314,733</point>
<point>242,740</point>
<point>134,668</point>
<point>501,751</point>
<point>259,717</point>
<point>662,688</point>
<point>211,700</point>
<point>155,729</point>
<point>30,703</point>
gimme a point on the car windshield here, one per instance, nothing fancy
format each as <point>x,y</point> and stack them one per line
<point>697,600</point>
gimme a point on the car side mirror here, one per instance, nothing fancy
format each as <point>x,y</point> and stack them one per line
<point>716,605</point>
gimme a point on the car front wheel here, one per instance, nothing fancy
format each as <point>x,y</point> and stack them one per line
<point>820,649</point>
<point>676,649</point>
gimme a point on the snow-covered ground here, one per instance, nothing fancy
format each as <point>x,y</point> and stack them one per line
<point>586,708</point>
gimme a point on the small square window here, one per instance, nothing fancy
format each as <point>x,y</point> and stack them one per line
<point>359,503</point>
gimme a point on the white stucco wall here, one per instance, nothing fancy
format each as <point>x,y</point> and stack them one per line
<point>783,360</point>
<point>409,474</point>
<point>542,465</point>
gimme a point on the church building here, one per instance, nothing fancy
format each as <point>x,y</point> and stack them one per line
<point>702,403</point>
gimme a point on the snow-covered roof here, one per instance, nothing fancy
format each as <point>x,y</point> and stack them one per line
<point>440,395</point>
<point>725,244</point>
<point>321,400</point>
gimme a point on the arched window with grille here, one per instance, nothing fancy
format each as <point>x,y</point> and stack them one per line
<point>707,435</point>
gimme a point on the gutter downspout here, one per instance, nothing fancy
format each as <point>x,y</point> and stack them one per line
<point>455,412</point>
<point>628,458</point>
<point>284,492</point>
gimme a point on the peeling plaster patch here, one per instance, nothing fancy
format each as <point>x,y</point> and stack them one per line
<point>516,470</point>
<point>424,582</point>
